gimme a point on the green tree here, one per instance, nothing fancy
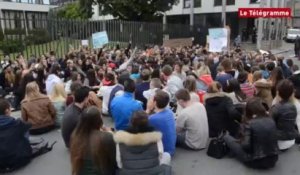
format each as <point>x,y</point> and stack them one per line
<point>136,10</point>
<point>72,11</point>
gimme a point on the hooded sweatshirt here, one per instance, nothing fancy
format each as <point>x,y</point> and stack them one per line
<point>51,81</point>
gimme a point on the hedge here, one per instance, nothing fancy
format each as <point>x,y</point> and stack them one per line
<point>11,46</point>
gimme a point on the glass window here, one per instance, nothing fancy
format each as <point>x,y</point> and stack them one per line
<point>228,2</point>
<point>186,3</point>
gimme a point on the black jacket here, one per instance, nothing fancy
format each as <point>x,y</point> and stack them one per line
<point>260,138</point>
<point>221,114</point>
<point>15,149</point>
<point>284,115</point>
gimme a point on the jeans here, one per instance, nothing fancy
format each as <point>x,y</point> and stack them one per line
<point>180,142</point>
<point>40,131</point>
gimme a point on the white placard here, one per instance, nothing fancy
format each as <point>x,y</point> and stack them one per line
<point>218,39</point>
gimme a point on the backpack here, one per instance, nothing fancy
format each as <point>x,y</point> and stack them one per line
<point>113,94</point>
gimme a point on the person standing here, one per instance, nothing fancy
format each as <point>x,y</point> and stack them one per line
<point>191,124</point>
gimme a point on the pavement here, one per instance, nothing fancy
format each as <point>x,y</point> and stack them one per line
<point>57,162</point>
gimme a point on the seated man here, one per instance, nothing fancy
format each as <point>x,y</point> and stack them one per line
<point>191,124</point>
<point>163,120</point>
<point>73,112</point>
<point>122,107</point>
<point>15,149</point>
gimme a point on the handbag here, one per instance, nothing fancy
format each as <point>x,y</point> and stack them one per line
<point>217,147</point>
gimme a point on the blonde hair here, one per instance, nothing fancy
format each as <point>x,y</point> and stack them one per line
<point>214,87</point>
<point>58,92</point>
<point>32,91</point>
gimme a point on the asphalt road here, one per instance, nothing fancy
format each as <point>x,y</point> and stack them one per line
<point>57,162</point>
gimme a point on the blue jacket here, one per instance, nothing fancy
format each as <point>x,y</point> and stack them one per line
<point>122,108</point>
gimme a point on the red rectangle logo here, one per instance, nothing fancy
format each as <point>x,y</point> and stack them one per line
<point>265,12</point>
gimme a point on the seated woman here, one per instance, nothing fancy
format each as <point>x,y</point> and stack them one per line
<point>92,148</point>
<point>38,110</point>
<point>233,91</point>
<point>221,113</point>
<point>58,99</point>
<point>140,148</point>
<point>257,148</point>
<point>284,114</point>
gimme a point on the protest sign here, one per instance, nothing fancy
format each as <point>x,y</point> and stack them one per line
<point>180,42</point>
<point>99,39</point>
<point>85,42</point>
<point>218,39</point>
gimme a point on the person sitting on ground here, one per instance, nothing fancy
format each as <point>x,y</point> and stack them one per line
<point>122,107</point>
<point>257,148</point>
<point>178,71</point>
<point>191,123</point>
<point>263,90</point>
<point>221,113</point>
<point>140,148</point>
<point>15,150</point>
<point>246,87</point>
<point>58,98</point>
<point>233,91</point>
<point>142,87</point>
<point>38,110</point>
<point>163,120</point>
<point>107,91</point>
<point>74,86</point>
<point>73,112</point>
<point>222,77</point>
<point>53,78</point>
<point>75,77</point>
<point>284,114</point>
<point>92,149</point>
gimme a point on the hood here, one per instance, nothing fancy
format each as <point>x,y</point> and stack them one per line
<point>6,121</point>
<point>52,77</point>
<point>140,139</point>
<point>262,83</point>
<point>207,79</point>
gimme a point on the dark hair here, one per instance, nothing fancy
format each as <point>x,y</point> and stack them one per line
<point>289,62</point>
<point>270,66</point>
<point>4,105</point>
<point>91,76</point>
<point>167,70</point>
<point>162,99</point>
<point>110,77</point>
<point>81,94</point>
<point>183,94</point>
<point>234,86</point>
<point>74,76</point>
<point>155,73</point>
<point>129,85</point>
<point>75,85</point>
<point>285,89</point>
<point>242,77</point>
<point>190,84</point>
<point>226,64</point>
<point>255,106</point>
<point>139,123</point>
<point>87,138</point>
<point>55,68</point>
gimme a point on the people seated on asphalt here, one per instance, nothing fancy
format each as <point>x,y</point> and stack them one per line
<point>142,87</point>
<point>191,123</point>
<point>74,86</point>
<point>257,147</point>
<point>38,110</point>
<point>284,114</point>
<point>163,120</point>
<point>122,107</point>
<point>58,99</point>
<point>140,148</point>
<point>92,148</point>
<point>234,92</point>
<point>73,112</point>
<point>221,113</point>
<point>53,77</point>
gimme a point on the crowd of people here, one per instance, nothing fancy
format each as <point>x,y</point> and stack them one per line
<point>159,98</point>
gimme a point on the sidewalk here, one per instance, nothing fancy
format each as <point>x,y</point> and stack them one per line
<point>285,47</point>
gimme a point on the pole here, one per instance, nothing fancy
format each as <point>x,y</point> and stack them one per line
<point>260,27</point>
<point>191,13</point>
<point>223,13</point>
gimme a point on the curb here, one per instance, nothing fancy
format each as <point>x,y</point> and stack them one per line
<point>284,51</point>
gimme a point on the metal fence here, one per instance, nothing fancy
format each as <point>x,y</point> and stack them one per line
<point>39,36</point>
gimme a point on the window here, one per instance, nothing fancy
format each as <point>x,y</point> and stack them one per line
<point>186,3</point>
<point>228,2</point>
<point>254,1</point>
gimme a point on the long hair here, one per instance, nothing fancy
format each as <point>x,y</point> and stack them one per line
<point>214,87</point>
<point>234,86</point>
<point>88,140</point>
<point>32,91</point>
<point>58,92</point>
<point>190,84</point>
<point>255,107</point>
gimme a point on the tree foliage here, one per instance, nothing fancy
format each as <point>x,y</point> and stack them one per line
<point>136,10</point>
<point>72,11</point>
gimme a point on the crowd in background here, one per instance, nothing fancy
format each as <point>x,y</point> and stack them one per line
<point>159,98</point>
